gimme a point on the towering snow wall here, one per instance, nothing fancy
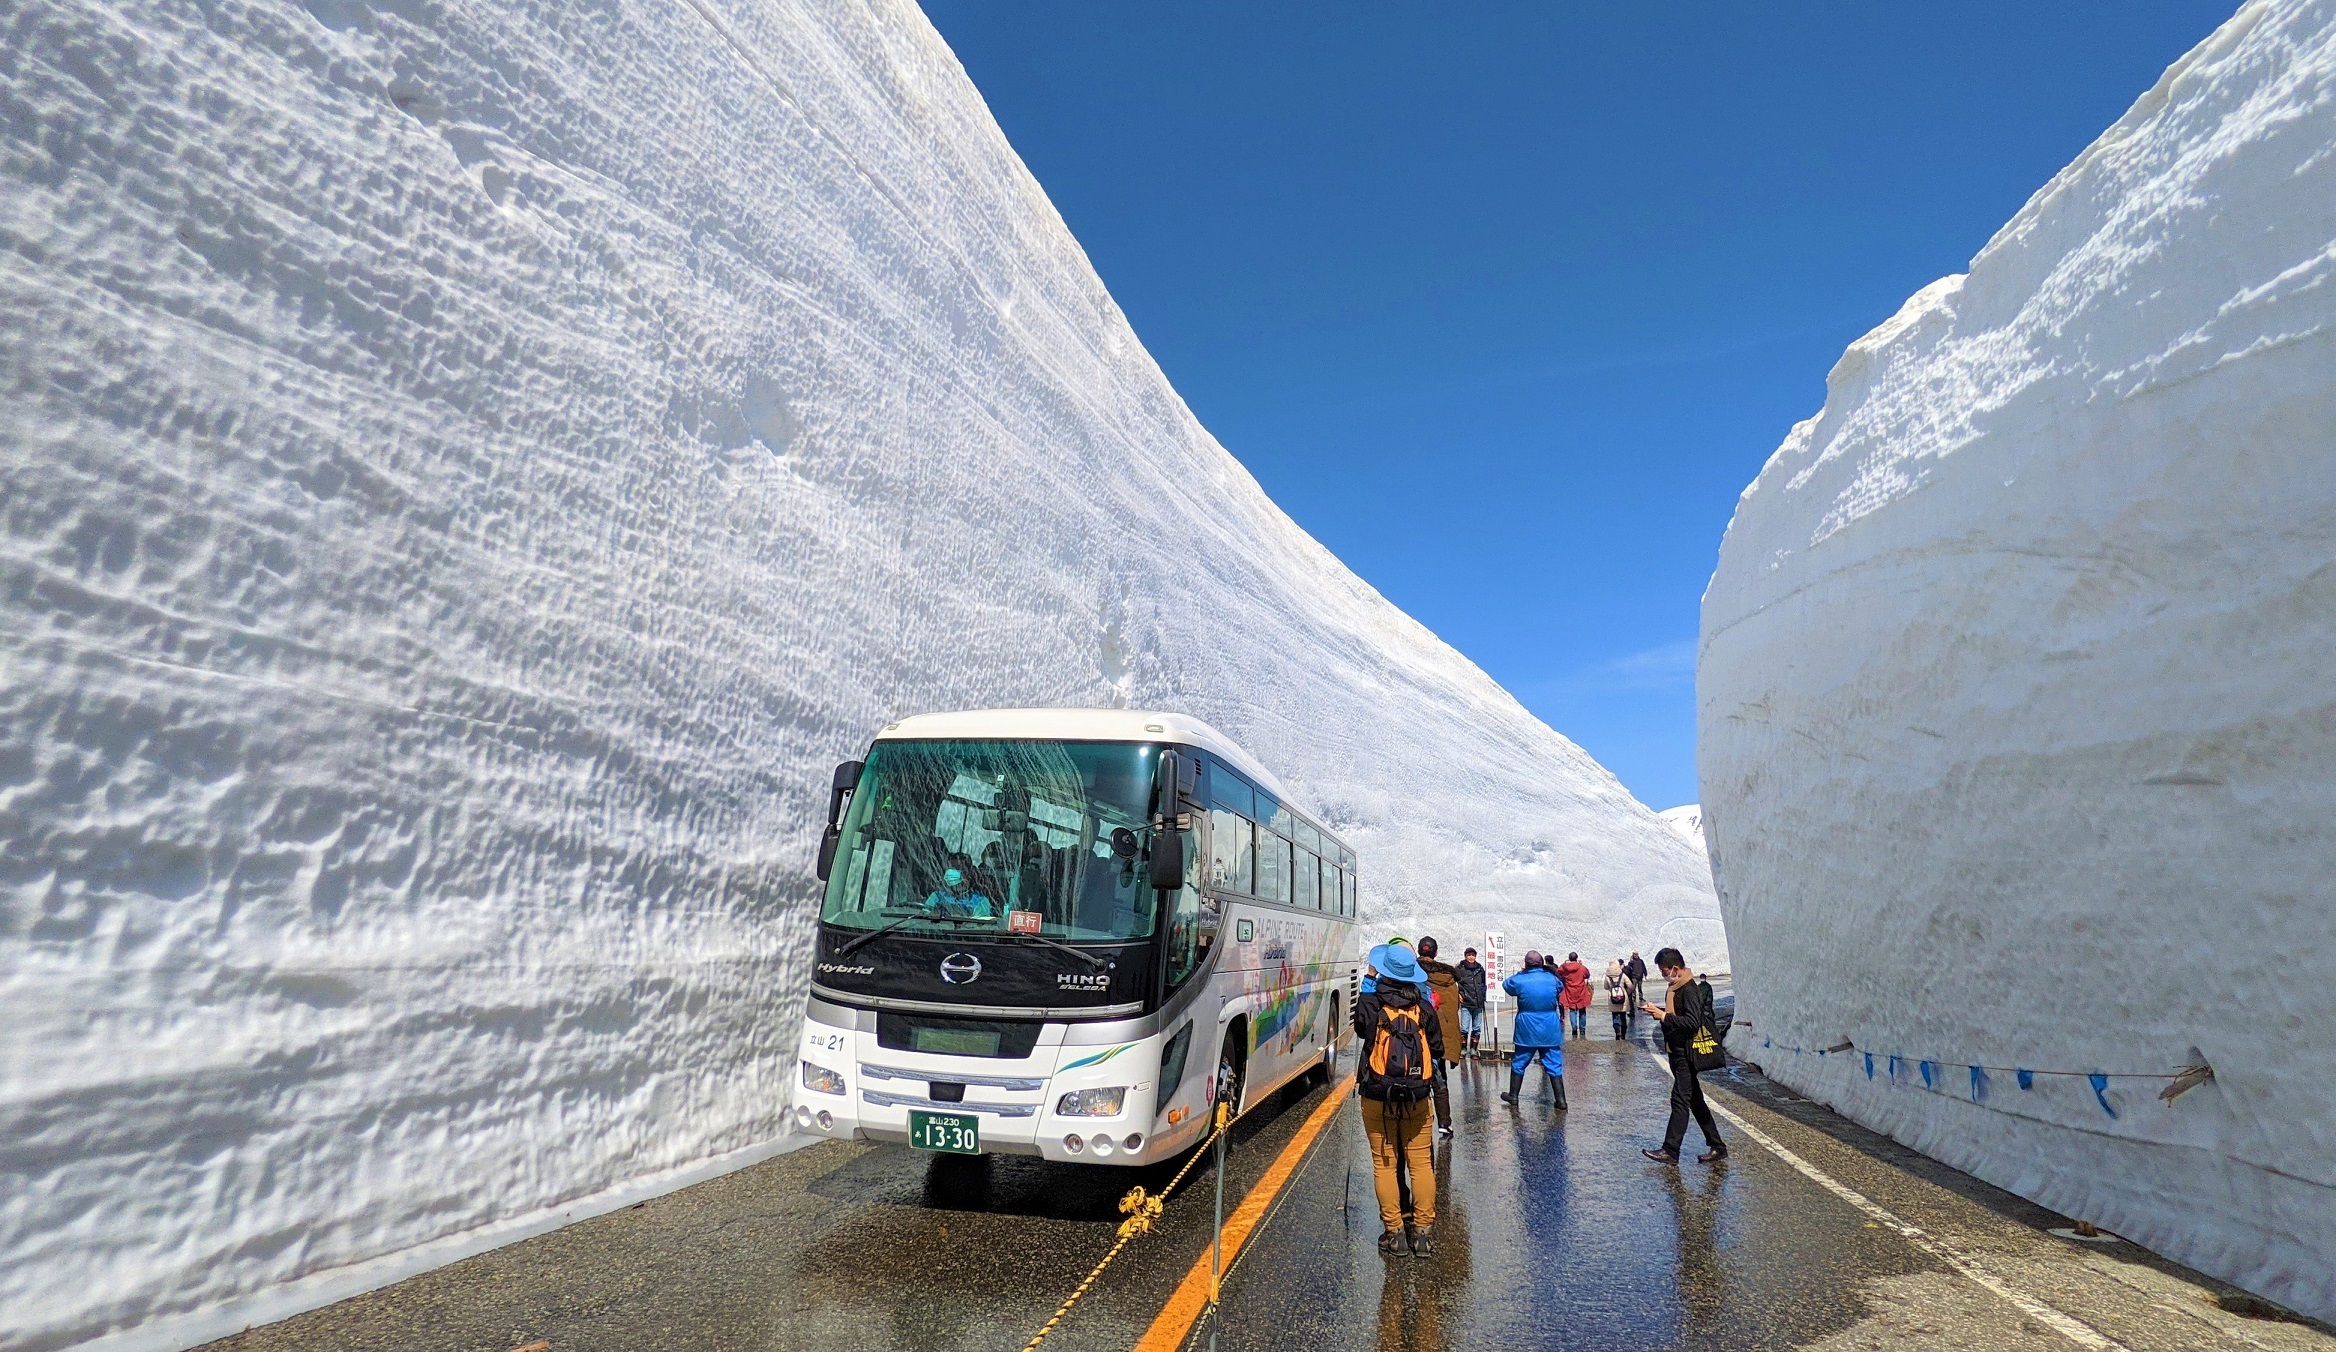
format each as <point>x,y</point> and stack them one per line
<point>472,467</point>
<point>2016,705</point>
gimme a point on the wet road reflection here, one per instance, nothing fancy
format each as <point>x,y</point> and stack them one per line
<point>1555,1233</point>
<point>1559,1234</point>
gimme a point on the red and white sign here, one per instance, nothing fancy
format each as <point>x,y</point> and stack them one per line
<point>1024,922</point>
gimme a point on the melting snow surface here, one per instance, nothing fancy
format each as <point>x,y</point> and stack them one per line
<point>2016,704</point>
<point>472,467</point>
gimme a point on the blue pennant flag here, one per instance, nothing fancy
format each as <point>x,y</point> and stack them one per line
<point>1869,1065</point>
<point>1893,1067</point>
<point>1978,1084</point>
<point>2027,1078</point>
<point>2100,1084</point>
<point>1930,1070</point>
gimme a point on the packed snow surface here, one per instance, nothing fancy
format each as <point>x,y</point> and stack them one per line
<point>472,467</point>
<point>2015,691</point>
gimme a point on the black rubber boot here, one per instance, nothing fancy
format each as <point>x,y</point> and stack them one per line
<point>1516,1086</point>
<point>1557,1082</point>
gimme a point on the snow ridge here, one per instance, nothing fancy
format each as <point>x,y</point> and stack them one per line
<point>2013,698</point>
<point>473,465</point>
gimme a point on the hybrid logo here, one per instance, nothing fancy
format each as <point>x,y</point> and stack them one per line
<point>843,969</point>
<point>959,968</point>
<point>1083,981</point>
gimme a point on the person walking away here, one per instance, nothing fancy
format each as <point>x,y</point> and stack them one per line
<point>1538,1029</point>
<point>1471,975</point>
<point>1444,994</point>
<point>1575,997</point>
<point>1618,998</point>
<point>1686,1009</point>
<point>1636,970</point>
<point>1401,1043</point>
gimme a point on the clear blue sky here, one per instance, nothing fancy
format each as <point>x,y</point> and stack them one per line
<point>1506,303</point>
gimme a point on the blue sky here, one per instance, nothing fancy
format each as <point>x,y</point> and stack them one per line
<point>1507,303</point>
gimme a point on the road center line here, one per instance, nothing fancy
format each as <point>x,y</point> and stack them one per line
<point>2075,1330</point>
<point>1191,1297</point>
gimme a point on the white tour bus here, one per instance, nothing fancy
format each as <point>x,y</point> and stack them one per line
<point>1067,933</point>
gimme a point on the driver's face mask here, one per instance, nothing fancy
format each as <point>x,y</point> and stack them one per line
<point>954,879</point>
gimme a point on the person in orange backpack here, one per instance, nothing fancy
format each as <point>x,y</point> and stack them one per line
<point>1401,1043</point>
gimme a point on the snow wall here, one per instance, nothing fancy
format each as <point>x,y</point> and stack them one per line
<point>473,466</point>
<point>2015,698</point>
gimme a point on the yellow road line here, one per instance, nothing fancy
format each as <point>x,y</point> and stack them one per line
<point>1191,1298</point>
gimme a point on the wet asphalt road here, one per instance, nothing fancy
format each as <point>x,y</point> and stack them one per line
<point>1555,1233</point>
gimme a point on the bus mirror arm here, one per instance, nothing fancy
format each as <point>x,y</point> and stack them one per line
<point>847,778</point>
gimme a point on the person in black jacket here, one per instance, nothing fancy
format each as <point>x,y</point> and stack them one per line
<point>1636,970</point>
<point>1686,1009</point>
<point>1471,974</point>
<point>1395,1097</point>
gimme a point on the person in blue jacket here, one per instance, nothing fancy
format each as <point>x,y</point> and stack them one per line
<point>1539,1030</point>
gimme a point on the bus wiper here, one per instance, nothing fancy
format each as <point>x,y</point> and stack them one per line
<point>873,935</point>
<point>1072,949</point>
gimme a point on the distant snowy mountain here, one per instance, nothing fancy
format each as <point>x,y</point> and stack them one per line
<point>2015,700</point>
<point>473,467</point>
<point>1687,821</point>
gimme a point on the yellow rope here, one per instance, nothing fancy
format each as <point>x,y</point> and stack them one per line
<point>1141,1210</point>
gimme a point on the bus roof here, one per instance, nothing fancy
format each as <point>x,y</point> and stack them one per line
<point>1083,725</point>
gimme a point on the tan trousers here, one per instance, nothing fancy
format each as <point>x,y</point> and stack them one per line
<point>1400,1136</point>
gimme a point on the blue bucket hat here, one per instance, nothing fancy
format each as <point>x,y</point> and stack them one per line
<point>1396,962</point>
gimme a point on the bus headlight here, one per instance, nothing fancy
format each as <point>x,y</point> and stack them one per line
<point>821,1080</point>
<point>1091,1102</point>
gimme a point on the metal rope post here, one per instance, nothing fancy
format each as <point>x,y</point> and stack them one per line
<point>1217,1241</point>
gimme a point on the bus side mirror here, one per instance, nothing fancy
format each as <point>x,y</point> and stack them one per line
<point>1167,867</point>
<point>847,778</point>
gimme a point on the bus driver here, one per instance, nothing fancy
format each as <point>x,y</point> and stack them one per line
<point>957,896</point>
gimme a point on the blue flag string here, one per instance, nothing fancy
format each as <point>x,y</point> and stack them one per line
<point>1982,1083</point>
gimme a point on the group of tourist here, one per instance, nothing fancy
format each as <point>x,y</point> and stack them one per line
<point>1417,1016</point>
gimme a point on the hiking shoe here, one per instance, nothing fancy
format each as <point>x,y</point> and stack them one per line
<point>1423,1241</point>
<point>1660,1156</point>
<point>1392,1244</point>
<point>1713,1155</point>
<point>1444,1133</point>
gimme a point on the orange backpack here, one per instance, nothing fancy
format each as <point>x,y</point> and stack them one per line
<point>1397,1068</point>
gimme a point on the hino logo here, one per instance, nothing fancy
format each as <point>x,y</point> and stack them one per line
<point>959,968</point>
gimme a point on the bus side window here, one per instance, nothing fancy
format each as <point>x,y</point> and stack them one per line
<point>1232,854</point>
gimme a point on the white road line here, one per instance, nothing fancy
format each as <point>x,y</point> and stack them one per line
<point>2075,1330</point>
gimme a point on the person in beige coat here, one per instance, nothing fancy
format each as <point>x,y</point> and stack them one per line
<point>1444,988</point>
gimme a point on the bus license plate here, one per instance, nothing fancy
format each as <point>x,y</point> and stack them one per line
<point>952,1133</point>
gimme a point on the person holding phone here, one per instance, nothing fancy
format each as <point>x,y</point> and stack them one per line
<point>1686,1008</point>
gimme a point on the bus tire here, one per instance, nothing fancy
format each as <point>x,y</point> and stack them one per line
<point>1329,1067</point>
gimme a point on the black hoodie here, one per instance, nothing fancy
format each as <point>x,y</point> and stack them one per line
<point>1471,974</point>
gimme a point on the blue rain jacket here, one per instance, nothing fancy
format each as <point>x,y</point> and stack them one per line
<point>1538,1022</point>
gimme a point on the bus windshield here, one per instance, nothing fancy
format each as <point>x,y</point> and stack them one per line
<point>1004,837</point>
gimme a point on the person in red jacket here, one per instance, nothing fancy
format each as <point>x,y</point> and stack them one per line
<point>1574,998</point>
